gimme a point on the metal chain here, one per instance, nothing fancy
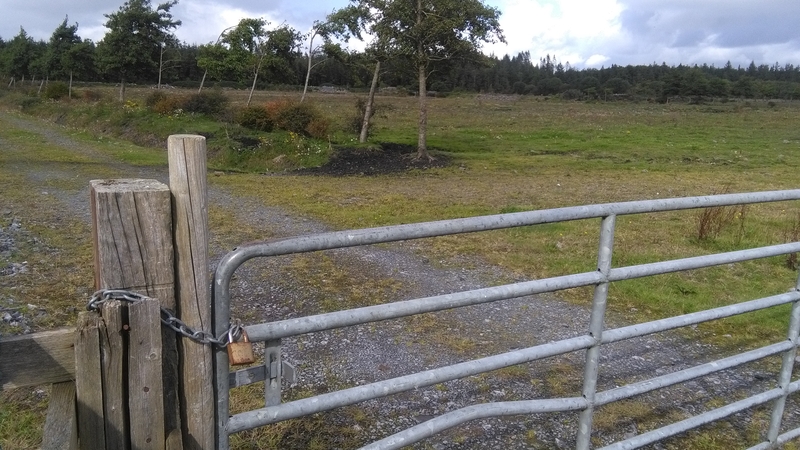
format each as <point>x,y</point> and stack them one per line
<point>167,318</point>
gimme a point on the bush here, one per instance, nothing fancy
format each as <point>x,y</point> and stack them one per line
<point>255,118</point>
<point>168,105</point>
<point>293,116</point>
<point>56,90</point>
<point>154,97</point>
<point>207,102</point>
<point>318,128</point>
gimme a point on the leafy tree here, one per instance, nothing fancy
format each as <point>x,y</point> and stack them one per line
<point>79,60</point>
<point>426,31</point>
<point>211,58</point>
<point>131,48</point>
<point>61,41</point>
<point>249,48</point>
<point>325,51</point>
<point>18,55</point>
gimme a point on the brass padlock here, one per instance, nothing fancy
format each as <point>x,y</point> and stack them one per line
<point>240,352</point>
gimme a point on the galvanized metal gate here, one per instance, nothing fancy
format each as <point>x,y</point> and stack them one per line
<point>271,333</point>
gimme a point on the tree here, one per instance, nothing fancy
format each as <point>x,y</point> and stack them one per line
<point>249,48</point>
<point>79,60</point>
<point>426,31</point>
<point>18,55</point>
<point>131,48</point>
<point>61,41</point>
<point>323,52</point>
<point>210,57</point>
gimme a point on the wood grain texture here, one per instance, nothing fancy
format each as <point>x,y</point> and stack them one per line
<point>134,251</point>
<point>61,423</point>
<point>187,179</point>
<point>89,381</point>
<point>39,358</point>
<point>145,387</point>
<point>113,347</point>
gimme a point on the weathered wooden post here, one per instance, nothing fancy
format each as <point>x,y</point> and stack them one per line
<point>187,179</point>
<point>133,251</point>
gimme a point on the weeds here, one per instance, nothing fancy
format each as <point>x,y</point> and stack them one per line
<point>712,221</point>
<point>793,235</point>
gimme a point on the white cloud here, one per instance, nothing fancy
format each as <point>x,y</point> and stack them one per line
<point>571,30</point>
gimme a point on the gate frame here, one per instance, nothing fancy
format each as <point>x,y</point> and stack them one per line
<point>272,332</point>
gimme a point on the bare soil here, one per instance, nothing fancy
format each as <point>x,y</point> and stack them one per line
<point>386,158</point>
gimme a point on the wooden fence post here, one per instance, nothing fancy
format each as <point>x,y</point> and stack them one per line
<point>187,179</point>
<point>133,250</point>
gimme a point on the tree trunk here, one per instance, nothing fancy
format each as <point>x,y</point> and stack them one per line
<point>122,90</point>
<point>41,83</point>
<point>422,141</point>
<point>202,80</point>
<point>160,66</point>
<point>70,85</point>
<point>370,102</point>
<point>252,88</point>
<point>308,71</point>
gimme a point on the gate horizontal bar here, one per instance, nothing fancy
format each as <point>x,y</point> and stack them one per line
<point>483,411</point>
<point>497,409</point>
<point>320,322</point>
<point>656,326</point>
<point>691,373</point>
<point>784,438</point>
<point>323,402</point>
<point>700,419</point>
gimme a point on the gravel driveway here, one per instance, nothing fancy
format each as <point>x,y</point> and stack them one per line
<point>268,290</point>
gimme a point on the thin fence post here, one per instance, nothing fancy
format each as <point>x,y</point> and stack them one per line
<point>187,179</point>
<point>133,250</point>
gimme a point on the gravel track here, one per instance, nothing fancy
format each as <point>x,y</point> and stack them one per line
<point>263,290</point>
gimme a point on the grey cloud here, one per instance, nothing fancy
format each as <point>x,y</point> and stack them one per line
<point>680,23</point>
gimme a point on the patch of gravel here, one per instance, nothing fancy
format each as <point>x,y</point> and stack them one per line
<point>357,355</point>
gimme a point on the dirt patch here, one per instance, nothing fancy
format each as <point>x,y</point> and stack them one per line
<point>388,158</point>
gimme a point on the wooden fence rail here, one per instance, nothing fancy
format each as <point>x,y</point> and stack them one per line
<point>122,380</point>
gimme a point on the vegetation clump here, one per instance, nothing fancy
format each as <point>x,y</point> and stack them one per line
<point>56,91</point>
<point>255,117</point>
<point>300,118</point>
<point>210,103</point>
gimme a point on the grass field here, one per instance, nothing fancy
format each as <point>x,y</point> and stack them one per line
<point>519,153</point>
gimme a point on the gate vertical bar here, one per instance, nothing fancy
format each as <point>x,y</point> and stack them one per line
<point>785,376</point>
<point>272,361</point>
<point>596,324</point>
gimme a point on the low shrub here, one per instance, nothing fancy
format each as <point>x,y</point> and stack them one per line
<point>154,97</point>
<point>256,118</point>
<point>168,105</point>
<point>298,117</point>
<point>56,90</point>
<point>210,103</point>
<point>318,128</point>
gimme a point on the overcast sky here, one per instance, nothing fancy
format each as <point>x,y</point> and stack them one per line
<point>585,33</point>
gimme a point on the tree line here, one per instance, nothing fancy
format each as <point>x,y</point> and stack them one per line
<point>140,47</point>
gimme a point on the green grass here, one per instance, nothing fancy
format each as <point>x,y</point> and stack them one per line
<point>509,154</point>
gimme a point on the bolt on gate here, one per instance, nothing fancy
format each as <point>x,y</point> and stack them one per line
<point>271,333</point>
